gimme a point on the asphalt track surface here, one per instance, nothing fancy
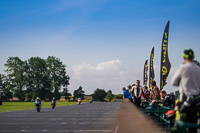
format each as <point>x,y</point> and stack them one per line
<point>96,117</point>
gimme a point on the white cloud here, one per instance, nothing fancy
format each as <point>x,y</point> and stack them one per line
<point>107,75</point>
<point>110,75</point>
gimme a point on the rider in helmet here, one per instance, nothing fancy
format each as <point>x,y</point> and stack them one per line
<point>54,99</point>
<point>38,100</point>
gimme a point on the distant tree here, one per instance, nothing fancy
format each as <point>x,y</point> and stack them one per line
<point>38,78</point>
<point>2,86</point>
<point>119,96</point>
<point>6,87</point>
<point>35,77</point>
<point>99,94</point>
<point>109,95</point>
<point>79,93</point>
<point>16,76</point>
<point>66,93</point>
<point>57,74</point>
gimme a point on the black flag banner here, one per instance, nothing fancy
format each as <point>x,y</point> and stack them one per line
<point>165,63</point>
<point>145,72</point>
<point>151,70</point>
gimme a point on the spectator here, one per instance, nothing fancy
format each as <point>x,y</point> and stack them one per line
<point>137,93</point>
<point>146,93</point>
<point>166,100</point>
<point>126,94</point>
<point>155,95</point>
<point>129,88</point>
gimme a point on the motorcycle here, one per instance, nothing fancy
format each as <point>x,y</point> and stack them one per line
<point>38,106</point>
<point>53,104</point>
<point>79,101</point>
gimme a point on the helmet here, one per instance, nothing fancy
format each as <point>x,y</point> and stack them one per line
<point>188,54</point>
<point>37,98</point>
<point>170,114</point>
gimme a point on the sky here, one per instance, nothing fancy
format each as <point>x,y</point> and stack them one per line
<point>103,43</point>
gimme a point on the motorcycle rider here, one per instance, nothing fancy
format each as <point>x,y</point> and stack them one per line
<point>38,100</point>
<point>188,79</point>
<point>79,100</point>
<point>53,101</point>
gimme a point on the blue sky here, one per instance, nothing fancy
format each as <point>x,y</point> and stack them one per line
<point>96,35</point>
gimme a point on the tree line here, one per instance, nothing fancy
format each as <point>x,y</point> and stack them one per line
<point>44,78</point>
<point>35,77</point>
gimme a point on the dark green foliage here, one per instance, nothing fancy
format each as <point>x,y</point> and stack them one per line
<point>36,77</point>
<point>16,75</point>
<point>109,95</point>
<point>57,75</point>
<point>99,94</point>
<point>66,93</point>
<point>5,88</point>
<point>79,93</point>
<point>119,96</point>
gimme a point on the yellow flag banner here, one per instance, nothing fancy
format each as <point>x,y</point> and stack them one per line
<point>145,73</point>
<point>151,70</point>
<point>165,63</point>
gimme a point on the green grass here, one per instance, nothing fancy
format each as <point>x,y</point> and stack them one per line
<point>13,106</point>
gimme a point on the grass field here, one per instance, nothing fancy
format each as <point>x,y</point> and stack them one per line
<point>13,106</point>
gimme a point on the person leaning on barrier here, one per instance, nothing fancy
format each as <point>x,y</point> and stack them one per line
<point>187,77</point>
<point>137,93</point>
<point>126,94</point>
<point>165,99</point>
<point>155,95</point>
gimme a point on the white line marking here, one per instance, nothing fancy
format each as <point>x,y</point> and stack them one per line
<point>93,131</point>
<point>80,123</point>
<point>61,131</point>
<point>116,129</point>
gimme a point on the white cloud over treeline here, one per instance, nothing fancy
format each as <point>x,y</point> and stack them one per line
<point>108,75</point>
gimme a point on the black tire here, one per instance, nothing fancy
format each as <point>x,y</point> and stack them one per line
<point>38,109</point>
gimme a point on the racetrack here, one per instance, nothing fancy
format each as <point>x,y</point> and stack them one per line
<point>98,117</point>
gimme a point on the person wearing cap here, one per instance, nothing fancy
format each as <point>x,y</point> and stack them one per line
<point>187,77</point>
